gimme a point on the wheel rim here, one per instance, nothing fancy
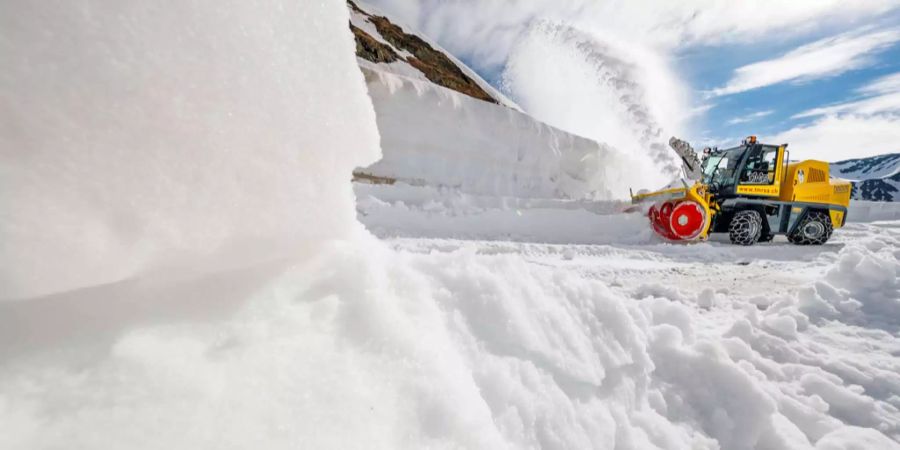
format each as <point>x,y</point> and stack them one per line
<point>813,230</point>
<point>752,228</point>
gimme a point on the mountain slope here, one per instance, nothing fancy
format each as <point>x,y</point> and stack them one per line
<point>876,178</point>
<point>392,49</point>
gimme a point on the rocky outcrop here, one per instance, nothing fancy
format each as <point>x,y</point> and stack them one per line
<point>876,178</point>
<point>436,66</point>
<point>370,49</point>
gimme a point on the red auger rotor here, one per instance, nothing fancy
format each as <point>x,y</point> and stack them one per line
<point>677,220</point>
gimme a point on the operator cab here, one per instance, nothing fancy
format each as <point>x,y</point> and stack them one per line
<point>748,164</point>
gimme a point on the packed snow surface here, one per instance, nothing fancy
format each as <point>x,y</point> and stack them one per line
<point>711,345</point>
<point>150,139</point>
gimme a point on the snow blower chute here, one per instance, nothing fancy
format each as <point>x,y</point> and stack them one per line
<point>752,192</point>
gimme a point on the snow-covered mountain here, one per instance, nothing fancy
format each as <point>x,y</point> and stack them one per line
<point>876,178</point>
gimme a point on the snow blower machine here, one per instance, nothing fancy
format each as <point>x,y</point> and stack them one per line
<point>752,192</point>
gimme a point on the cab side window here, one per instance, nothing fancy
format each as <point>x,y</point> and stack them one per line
<point>760,168</point>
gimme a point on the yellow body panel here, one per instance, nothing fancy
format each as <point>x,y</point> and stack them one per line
<point>700,194</point>
<point>751,189</point>
<point>837,218</point>
<point>664,194</point>
<point>809,182</point>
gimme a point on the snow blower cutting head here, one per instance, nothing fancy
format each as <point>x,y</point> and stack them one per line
<point>678,219</point>
<point>752,192</point>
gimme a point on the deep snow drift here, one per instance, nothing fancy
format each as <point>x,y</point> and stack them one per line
<point>207,139</point>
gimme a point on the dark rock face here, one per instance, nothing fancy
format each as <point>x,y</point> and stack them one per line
<point>370,49</point>
<point>877,190</point>
<point>434,64</point>
<point>868,187</point>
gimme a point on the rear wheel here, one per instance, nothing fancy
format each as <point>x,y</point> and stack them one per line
<point>814,229</point>
<point>745,227</point>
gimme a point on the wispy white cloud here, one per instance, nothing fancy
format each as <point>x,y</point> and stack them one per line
<point>880,96</point>
<point>701,109</point>
<point>884,85</point>
<point>823,58</point>
<point>483,31</point>
<point>836,138</point>
<point>750,117</point>
<point>874,105</point>
<point>854,129</point>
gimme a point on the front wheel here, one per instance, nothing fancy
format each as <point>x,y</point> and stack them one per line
<point>745,227</point>
<point>814,229</point>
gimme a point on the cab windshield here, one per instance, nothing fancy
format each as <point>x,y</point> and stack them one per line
<point>720,166</point>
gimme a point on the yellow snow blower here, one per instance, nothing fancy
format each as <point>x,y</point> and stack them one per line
<point>752,192</point>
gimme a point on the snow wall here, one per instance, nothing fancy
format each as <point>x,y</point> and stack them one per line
<point>865,211</point>
<point>437,137</point>
<point>145,138</point>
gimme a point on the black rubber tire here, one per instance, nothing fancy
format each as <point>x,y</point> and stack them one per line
<point>745,227</point>
<point>814,229</point>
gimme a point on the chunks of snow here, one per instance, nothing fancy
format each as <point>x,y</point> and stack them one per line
<point>855,438</point>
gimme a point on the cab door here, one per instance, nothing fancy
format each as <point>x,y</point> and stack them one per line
<point>761,172</point>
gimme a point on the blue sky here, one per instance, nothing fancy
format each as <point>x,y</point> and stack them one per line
<point>769,110</point>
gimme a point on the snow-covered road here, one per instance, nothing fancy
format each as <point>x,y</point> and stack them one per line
<point>770,346</point>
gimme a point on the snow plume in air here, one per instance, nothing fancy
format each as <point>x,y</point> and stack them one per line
<point>598,88</point>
